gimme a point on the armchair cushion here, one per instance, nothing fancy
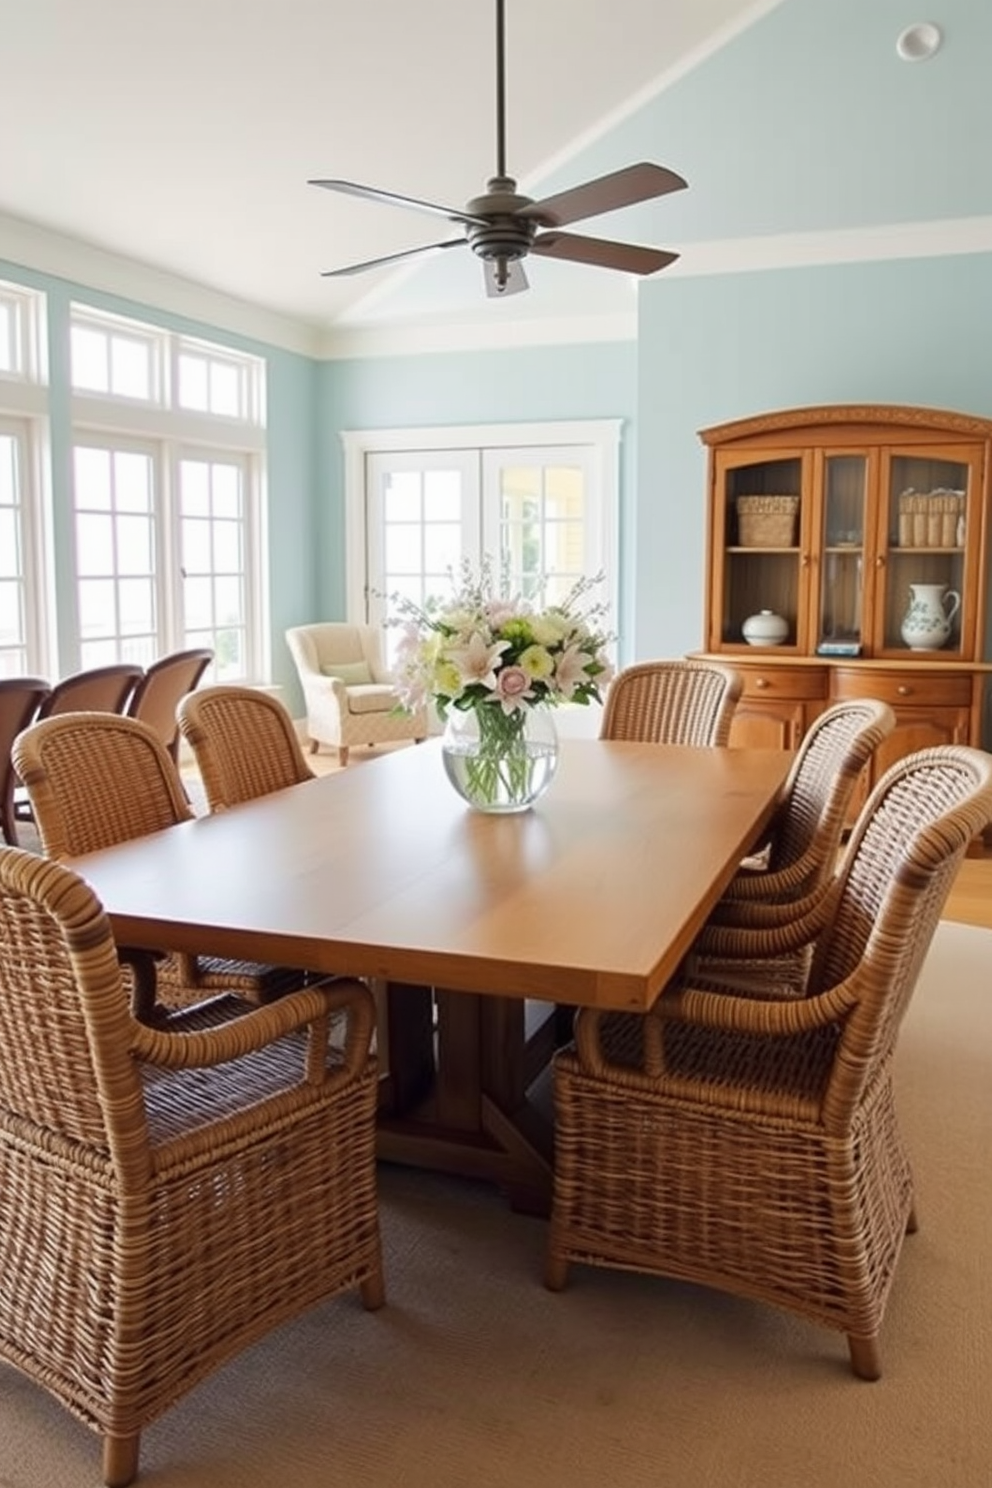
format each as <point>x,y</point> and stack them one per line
<point>372,697</point>
<point>351,673</point>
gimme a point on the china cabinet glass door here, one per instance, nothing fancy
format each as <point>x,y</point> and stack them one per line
<point>924,517</point>
<point>762,519</point>
<point>844,566</point>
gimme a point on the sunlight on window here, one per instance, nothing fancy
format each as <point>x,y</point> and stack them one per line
<point>10,565</point>
<point>8,343</point>
<point>90,358</point>
<point>194,383</point>
<point>225,389</point>
<point>132,481</point>
<point>130,368</point>
<point>91,470</point>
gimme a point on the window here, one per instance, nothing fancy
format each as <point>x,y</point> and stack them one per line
<point>167,470</point>
<point>107,358</point>
<point>14,650</point>
<point>541,501</point>
<point>23,404</point>
<point>21,334</point>
<point>212,545</point>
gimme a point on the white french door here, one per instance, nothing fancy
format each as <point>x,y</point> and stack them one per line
<point>544,512</point>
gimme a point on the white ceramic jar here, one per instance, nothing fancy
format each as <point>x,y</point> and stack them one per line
<point>765,629</point>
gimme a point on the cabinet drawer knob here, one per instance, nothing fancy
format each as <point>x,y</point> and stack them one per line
<point>904,690</point>
<point>761,682</point>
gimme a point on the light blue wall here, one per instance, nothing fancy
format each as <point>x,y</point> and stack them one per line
<point>712,349</point>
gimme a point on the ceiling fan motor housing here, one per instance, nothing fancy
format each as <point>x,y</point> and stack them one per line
<point>502,234</point>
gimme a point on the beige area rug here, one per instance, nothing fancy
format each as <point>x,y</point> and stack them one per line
<point>474,1376</point>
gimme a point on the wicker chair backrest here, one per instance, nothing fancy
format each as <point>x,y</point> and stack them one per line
<point>833,753</point>
<point>900,863</point>
<point>103,689</point>
<point>20,699</point>
<point>96,779</point>
<point>65,1068</point>
<point>245,744</point>
<point>672,702</point>
<point>160,690</point>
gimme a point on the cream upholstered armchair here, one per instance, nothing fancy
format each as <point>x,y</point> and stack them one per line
<point>349,695</point>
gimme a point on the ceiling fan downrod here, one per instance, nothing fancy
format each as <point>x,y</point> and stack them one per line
<point>500,91</point>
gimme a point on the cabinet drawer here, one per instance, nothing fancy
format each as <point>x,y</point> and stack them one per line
<point>784,682</point>
<point>905,689</point>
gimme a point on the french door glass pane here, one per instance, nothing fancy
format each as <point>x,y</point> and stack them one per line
<point>116,596</point>
<point>214,562</point>
<point>10,560</point>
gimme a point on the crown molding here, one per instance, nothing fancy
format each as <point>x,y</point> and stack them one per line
<point>38,250</point>
<point>41,250</point>
<point>423,337</point>
<point>939,239</point>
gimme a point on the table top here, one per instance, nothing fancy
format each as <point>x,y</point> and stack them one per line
<point>380,870</point>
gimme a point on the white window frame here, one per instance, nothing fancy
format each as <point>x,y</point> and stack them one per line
<point>600,438</point>
<point>24,412</point>
<point>121,421</point>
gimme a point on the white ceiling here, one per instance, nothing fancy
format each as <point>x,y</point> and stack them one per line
<point>181,134</point>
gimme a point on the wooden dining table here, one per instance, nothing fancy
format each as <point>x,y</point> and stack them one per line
<point>480,932</point>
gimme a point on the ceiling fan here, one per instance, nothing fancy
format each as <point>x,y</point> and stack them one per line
<point>502,227</point>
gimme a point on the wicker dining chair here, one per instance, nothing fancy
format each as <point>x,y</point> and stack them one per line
<point>168,1195</point>
<point>97,779</point>
<point>104,689</point>
<point>164,684</point>
<point>20,699</point>
<point>672,702</point>
<point>752,1144</point>
<point>244,744</point>
<point>801,843</point>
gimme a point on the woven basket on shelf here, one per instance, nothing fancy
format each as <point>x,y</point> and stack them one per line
<point>767,521</point>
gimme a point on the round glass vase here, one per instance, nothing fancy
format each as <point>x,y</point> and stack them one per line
<point>500,762</point>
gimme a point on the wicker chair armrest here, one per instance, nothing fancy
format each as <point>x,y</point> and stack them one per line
<point>776,1017</point>
<point>257,1027</point>
<point>781,883</point>
<point>143,980</point>
<point>765,914</point>
<point>712,1009</point>
<point>763,931</point>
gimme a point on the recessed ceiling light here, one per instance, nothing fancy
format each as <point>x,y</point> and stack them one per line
<point>918,42</point>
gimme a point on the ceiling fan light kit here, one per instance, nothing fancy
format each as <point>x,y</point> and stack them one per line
<point>502,227</point>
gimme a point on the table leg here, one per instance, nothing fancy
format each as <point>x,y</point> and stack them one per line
<point>478,1120</point>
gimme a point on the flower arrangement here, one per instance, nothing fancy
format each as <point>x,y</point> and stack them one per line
<point>498,658</point>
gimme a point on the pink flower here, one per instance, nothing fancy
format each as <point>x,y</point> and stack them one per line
<point>513,688</point>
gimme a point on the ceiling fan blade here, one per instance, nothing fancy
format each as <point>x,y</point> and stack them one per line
<point>391,198</point>
<point>506,280</point>
<point>622,188</point>
<point>628,257</point>
<point>377,263</point>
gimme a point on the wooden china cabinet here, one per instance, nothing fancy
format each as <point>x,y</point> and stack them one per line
<point>835,519</point>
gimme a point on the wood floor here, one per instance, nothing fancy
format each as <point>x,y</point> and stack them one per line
<point>970,901</point>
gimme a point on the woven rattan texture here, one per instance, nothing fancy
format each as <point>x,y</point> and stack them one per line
<point>672,702</point>
<point>805,832</point>
<point>168,1194</point>
<point>97,779</point>
<point>751,1143</point>
<point>244,743</point>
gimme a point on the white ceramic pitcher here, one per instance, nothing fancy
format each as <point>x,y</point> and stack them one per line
<point>926,624</point>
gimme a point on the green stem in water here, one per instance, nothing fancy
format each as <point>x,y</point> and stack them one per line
<point>503,759</point>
